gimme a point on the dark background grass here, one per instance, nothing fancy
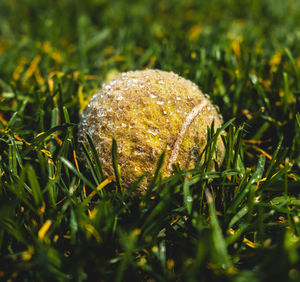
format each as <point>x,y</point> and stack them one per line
<point>55,54</point>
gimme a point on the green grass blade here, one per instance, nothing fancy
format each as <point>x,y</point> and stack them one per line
<point>188,199</point>
<point>69,165</point>
<point>98,166</point>
<point>217,236</point>
<point>155,177</point>
<point>115,165</point>
<point>257,175</point>
<point>89,162</point>
<point>35,186</point>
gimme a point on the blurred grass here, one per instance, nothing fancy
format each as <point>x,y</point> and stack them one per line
<point>61,220</point>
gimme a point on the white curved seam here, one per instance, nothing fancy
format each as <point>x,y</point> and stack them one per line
<point>185,126</point>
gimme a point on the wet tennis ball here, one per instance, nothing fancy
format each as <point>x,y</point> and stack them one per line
<point>148,112</point>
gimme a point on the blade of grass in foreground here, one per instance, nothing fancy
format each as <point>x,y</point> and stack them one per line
<point>98,168</point>
<point>218,239</point>
<point>294,64</point>
<point>40,138</point>
<point>298,118</point>
<point>78,174</point>
<point>257,175</point>
<point>35,186</point>
<point>159,165</point>
<point>211,143</point>
<point>115,165</point>
<point>89,162</point>
<point>188,199</point>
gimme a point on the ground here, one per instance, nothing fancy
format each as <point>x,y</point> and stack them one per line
<point>60,218</point>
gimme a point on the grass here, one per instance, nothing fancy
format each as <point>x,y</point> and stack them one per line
<point>63,220</point>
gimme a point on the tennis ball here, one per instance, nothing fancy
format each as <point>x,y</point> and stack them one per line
<point>149,112</point>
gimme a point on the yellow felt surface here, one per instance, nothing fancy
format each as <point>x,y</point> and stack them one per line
<point>144,111</point>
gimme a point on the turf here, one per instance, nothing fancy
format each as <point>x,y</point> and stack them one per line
<point>61,219</point>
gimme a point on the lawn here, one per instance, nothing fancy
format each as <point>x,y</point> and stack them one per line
<point>63,218</point>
